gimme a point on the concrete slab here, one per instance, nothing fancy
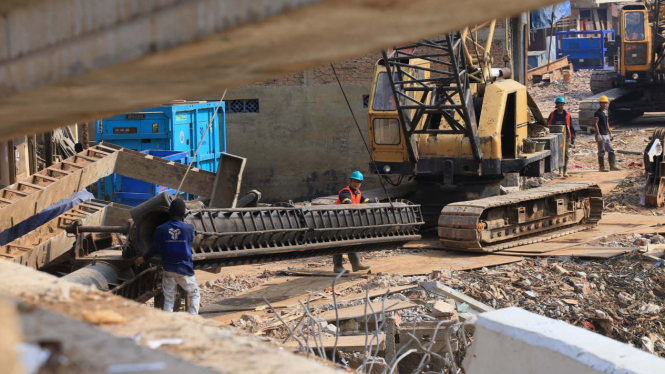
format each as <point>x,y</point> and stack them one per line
<point>514,341</point>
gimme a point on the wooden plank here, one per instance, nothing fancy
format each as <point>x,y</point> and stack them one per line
<point>346,343</point>
<point>134,165</point>
<point>581,252</point>
<point>424,262</point>
<point>358,311</point>
<point>554,65</point>
<point>442,289</point>
<point>226,188</point>
<point>610,224</point>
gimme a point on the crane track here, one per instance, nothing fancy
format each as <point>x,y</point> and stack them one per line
<point>465,226</point>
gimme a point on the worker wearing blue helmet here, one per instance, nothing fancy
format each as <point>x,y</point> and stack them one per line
<point>351,195</point>
<point>561,117</point>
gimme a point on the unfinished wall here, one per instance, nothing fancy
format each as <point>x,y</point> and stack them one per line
<point>303,142</point>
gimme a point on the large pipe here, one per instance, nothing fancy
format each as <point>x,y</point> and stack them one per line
<point>98,275</point>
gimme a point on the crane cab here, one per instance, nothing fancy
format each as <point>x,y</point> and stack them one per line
<point>636,54</point>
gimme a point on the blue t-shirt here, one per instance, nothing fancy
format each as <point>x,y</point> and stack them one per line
<point>171,241</point>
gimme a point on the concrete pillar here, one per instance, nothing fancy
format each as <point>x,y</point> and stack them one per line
<point>7,163</point>
<point>515,341</point>
<point>519,43</point>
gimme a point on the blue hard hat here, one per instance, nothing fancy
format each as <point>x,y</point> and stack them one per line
<point>357,176</point>
<point>560,99</point>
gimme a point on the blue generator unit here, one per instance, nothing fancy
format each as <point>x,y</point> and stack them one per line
<point>177,128</point>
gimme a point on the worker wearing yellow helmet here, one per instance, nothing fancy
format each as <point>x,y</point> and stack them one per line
<point>604,136</point>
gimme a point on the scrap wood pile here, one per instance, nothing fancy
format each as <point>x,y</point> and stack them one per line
<point>622,298</point>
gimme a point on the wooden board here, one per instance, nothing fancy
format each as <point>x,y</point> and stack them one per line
<point>614,223</point>
<point>227,181</point>
<point>281,292</point>
<point>606,181</point>
<point>546,68</point>
<point>162,172</point>
<point>359,310</point>
<point>426,261</point>
<point>581,252</point>
<point>346,343</point>
<point>362,295</point>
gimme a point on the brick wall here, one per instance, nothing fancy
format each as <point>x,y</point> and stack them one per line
<point>359,70</point>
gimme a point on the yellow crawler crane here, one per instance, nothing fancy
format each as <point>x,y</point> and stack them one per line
<point>442,118</point>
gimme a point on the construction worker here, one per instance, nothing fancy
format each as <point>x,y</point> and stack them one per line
<point>351,195</point>
<point>171,241</point>
<point>561,117</point>
<point>604,136</point>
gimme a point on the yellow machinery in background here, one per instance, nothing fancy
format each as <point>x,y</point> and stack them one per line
<point>637,83</point>
<point>445,128</point>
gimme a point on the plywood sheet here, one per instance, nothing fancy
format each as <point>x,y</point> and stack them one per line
<point>426,261</point>
<point>606,181</point>
<point>282,292</point>
<point>614,223</point>
<point>582,252</point>
<point>359,310</point>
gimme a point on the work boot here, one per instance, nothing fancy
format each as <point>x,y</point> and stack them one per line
<point>601,164</point>
<point>565,172</point>
<point>613,162</point>
<point>354,258</point>
<point>337,261</point>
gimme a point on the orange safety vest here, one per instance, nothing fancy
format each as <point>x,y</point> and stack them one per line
<point>355,198</point>
<point>551,119</point>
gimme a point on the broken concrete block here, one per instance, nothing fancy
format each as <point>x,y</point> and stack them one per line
<point>444,309</point>
<point>252,319</point>
<point>641,242</point>
<point>330,329</point>
<point>559,269</point>
<point>350,324</point>
<point>657,239</point>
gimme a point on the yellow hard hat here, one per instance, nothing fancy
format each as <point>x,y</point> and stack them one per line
<point>603,99</point>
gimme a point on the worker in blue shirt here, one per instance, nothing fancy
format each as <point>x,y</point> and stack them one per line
<point>351,195</point>
<point>171,241</point>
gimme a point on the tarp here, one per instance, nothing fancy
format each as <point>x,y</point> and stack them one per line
<point>542,18</point>
<point>44,216</point>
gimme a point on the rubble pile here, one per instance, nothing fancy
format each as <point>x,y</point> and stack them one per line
<point>544,93</point>
<point>622,298</point>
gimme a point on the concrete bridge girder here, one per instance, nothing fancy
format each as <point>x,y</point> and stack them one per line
<point>69,61</point>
